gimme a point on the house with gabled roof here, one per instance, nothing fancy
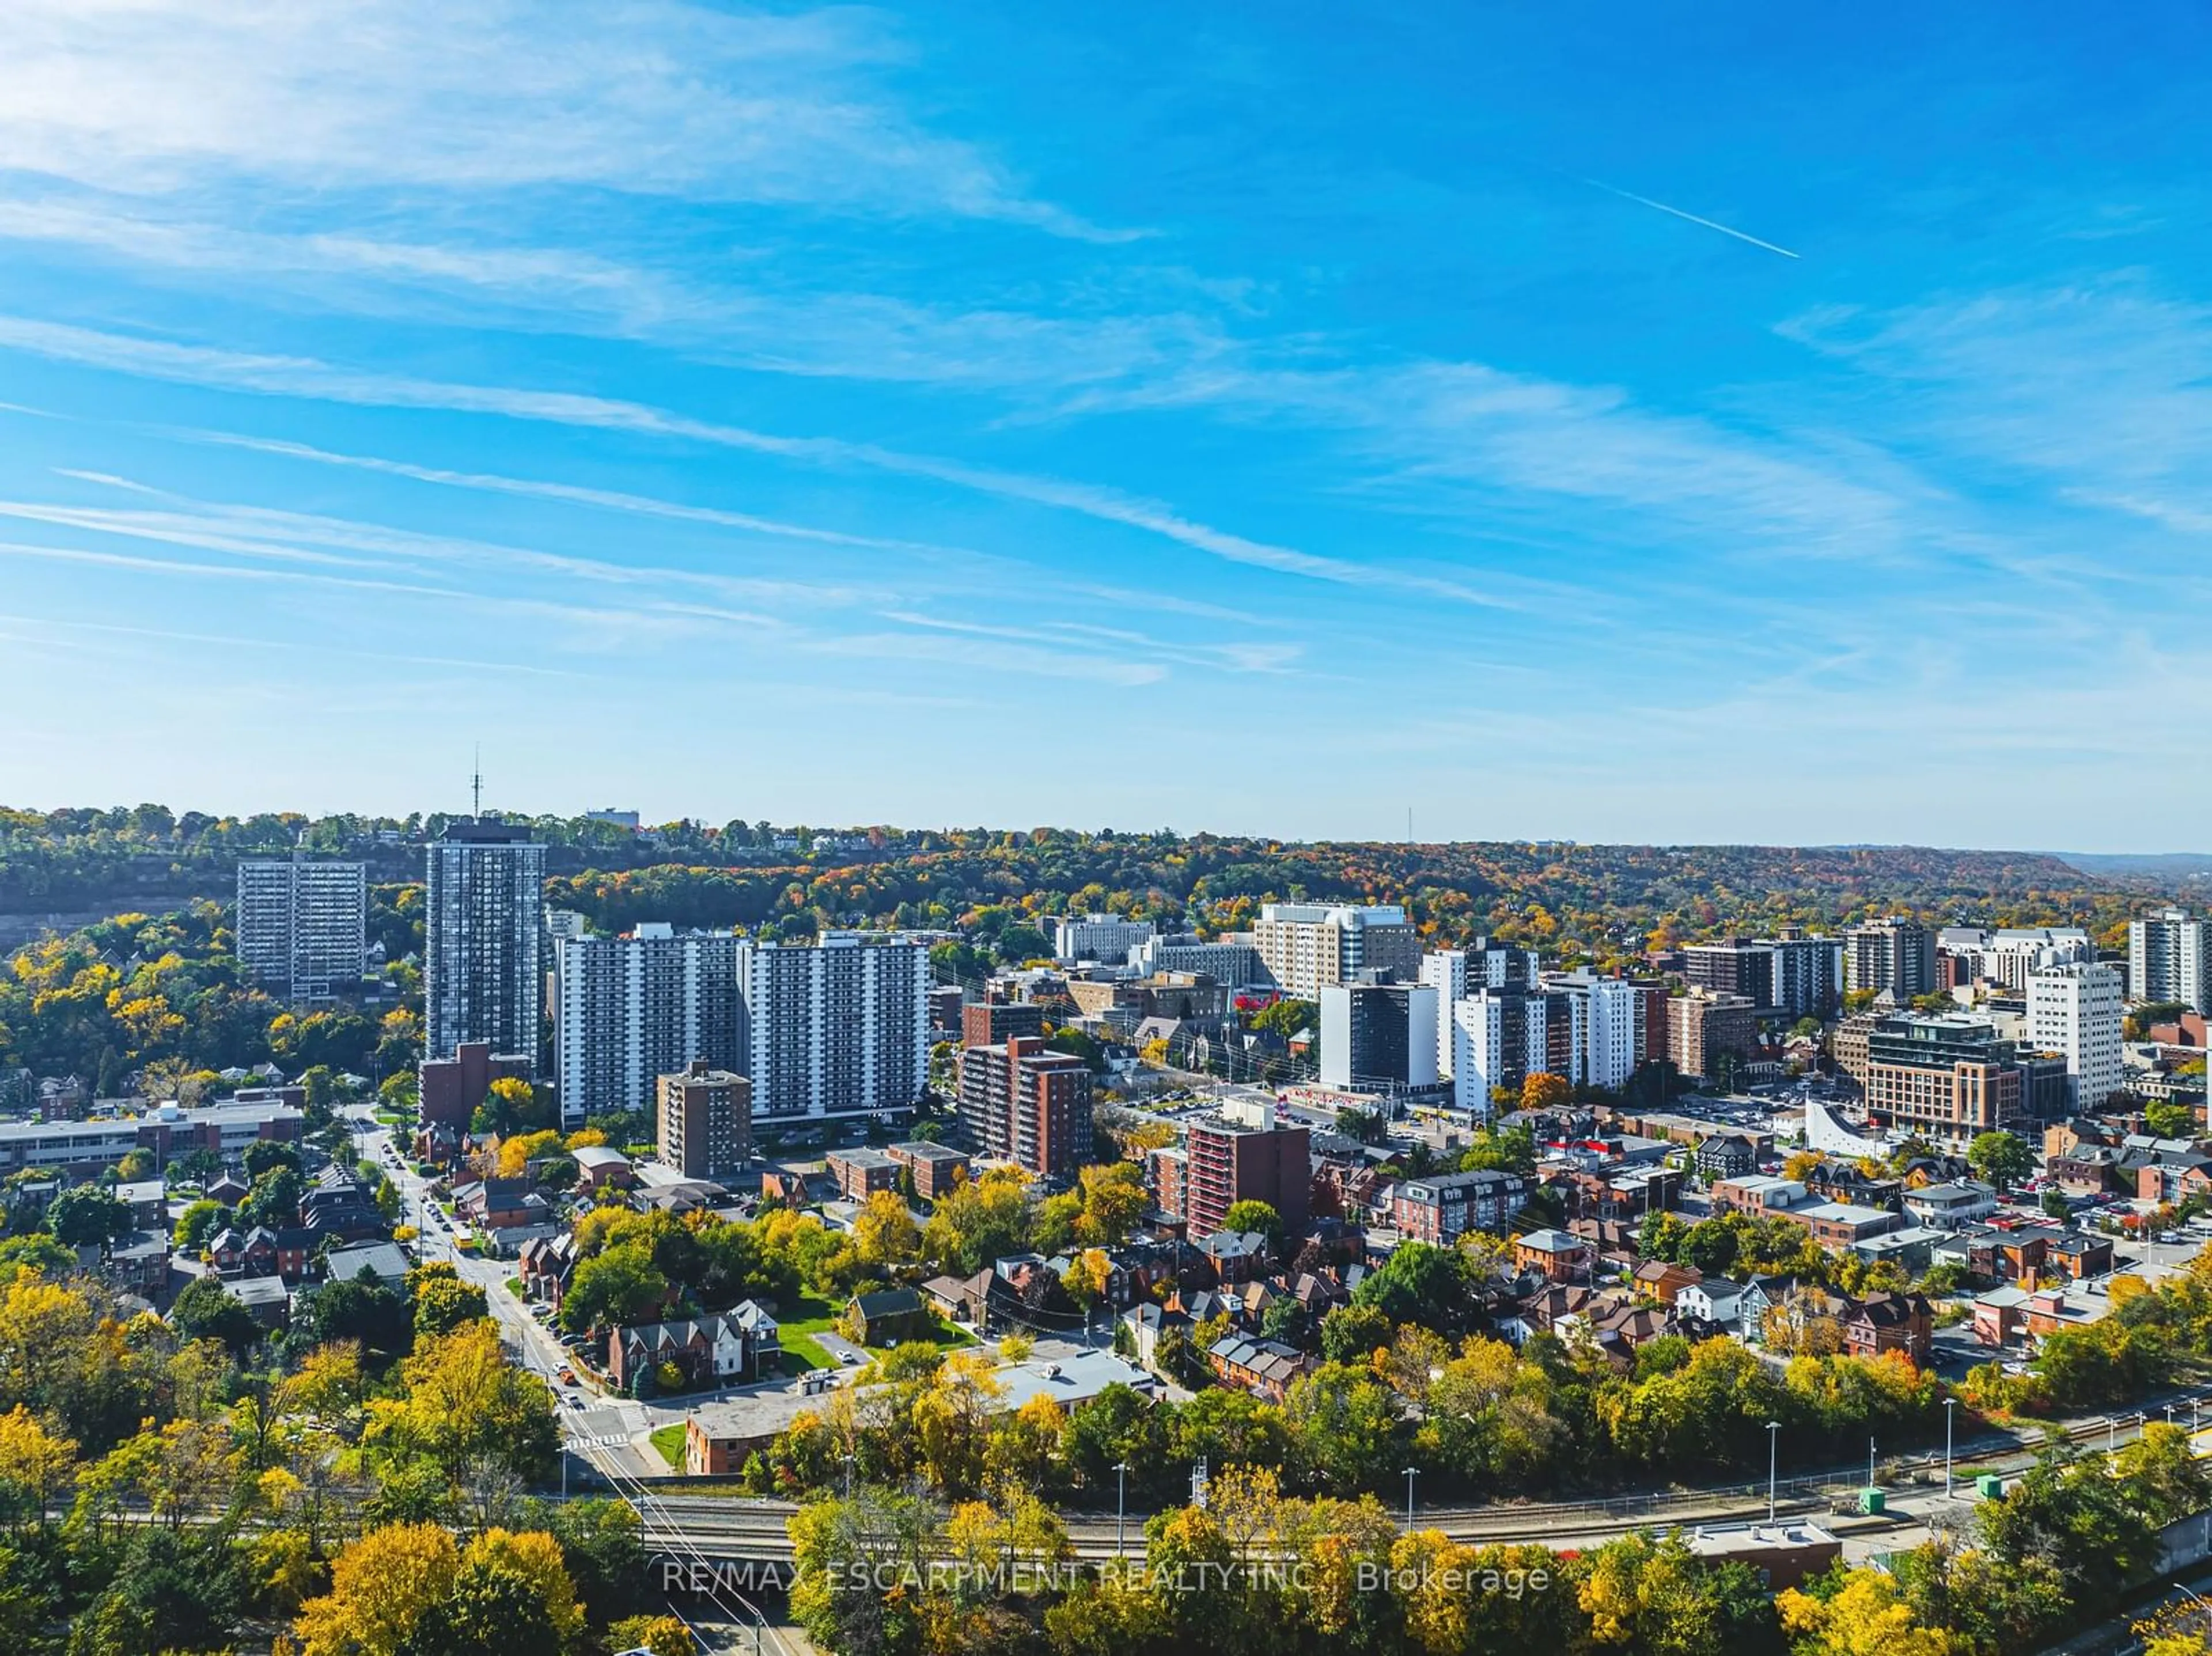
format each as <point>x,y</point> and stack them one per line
<point>730,1348</point>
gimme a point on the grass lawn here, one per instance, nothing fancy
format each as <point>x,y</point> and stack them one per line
<point>810,1313</point>
<point>669,1439</point>
<point>806,1353</point>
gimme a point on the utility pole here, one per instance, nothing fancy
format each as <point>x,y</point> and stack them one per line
<point>1773,1440</point>
<point>1950,1416</point>
<point>1120,1505</point>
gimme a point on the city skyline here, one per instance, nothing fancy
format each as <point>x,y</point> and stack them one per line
<point>735,426</point>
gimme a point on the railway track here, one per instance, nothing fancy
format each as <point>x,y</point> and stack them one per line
<point>756,1529</point>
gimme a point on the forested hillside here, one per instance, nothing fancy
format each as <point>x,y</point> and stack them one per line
<point>1599,899</point>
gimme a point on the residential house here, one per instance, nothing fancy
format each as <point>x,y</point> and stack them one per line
<point>148,1200</point>
<point>1659,1280</point>
<point>969,1298</point>
<point>1559,1257</point>
<point>1952,1206</point>
<point>227,1188</point>
<point>381,1261</point>
<point>730,1349</point>
<point>1839,1179</point>
<point>1612,1241</point>
<point>2077,1256</point>
<point>499,1204</point>
<point>1713,1300</point>
<point>266,1297</point>
<point>602,1167</point>
<point>138,1262</point>
<point>545,1264</point>
<point>886,1317</point>
<point>1726,1156</point>
<point>1235,1256</point>
<point>1440,1208</point>
<point>1996,1316</point>
<point>1913,1248</point>
<point>1889,1322</point>
<point>1264,1367</point>
<point>1760,1297</point>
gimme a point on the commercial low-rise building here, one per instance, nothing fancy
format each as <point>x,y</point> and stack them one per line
<point>936,1169</point>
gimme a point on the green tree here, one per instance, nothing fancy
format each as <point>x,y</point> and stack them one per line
<point>198,1222</point>
<point>2002,1158</point>
<point>2169,1120</point>
<point>206,1311</point>
<point>1251,1215</point>
<point>85,1215</point>
<point>1354,1333</point>
<point>274,1200</point>
<point>1418,1284</point>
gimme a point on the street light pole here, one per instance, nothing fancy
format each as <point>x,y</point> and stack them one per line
<point>1950,1416</point>
<point>1773,1441</point>
<point>1120,1505</point>
<point>1409,1500</point>
<point>1869,1463</point>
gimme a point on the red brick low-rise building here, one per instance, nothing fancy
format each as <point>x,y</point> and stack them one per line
<point>1442,1208</point>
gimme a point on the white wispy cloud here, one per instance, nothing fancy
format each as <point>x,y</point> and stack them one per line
<point>301,377</point>
<point>714,310</point>
<point>273,533</point>
<point>2102,386</point>
<point>651,97</point>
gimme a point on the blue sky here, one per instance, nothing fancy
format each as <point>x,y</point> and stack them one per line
<point>1263,419</point>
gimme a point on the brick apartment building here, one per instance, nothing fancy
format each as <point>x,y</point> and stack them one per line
<point>1024,1104</point>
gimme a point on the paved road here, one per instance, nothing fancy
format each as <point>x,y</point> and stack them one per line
<point>617,1427</point>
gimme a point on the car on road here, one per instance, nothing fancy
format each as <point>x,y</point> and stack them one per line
<point>850,1359</point>
<point>566,1377</point>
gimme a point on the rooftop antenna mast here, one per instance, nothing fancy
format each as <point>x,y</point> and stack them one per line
<point>476,781</point>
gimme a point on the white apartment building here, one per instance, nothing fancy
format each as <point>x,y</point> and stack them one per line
<point>2012,956</point>
<point>1309,946</point>
<point>2075,1009</point>
<point>302,927</point>
<point>836,1029</point>
<point>1230,960</point>
<point>1107,938</point>
<point>629,1010</point>
<point>1499,1038</point>
<point>2170,959</point>
<point>1605,1012</point>
<point>1454,974</point>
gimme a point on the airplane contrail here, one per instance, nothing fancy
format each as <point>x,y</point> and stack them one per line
<point>1629,194</point>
